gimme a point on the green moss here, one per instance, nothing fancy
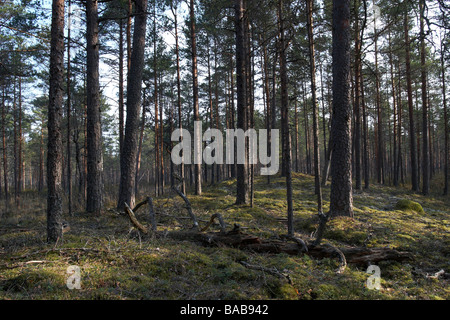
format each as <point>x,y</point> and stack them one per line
<point>409,205</point>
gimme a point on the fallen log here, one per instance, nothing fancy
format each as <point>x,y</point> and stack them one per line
<point>347,255</point>
<point>289,245</point>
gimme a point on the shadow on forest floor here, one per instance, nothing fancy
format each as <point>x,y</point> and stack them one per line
<point>117,262</point>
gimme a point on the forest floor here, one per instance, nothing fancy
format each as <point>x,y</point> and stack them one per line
<point>118,262</point>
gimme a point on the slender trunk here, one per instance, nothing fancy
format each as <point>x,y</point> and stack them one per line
<point>161,143</point>
<point>312,68</point>
<point>94,198</point>
<point>242,182</point>
<point>412,130</point>
<point>69,111</point>
<point>395,107</point>
<point>285,118</point>
<point>16,167</point>
<point>380,143</point>
<point>444,99</point>
<point>55,148</point>
<point>211,116</point>
<point>180,123</point>
<point>357,108</point>
<point>399,169</point>
<point>121,94</point>
<point>20,175</point>
<point>4,145</point>
<point>197,164</point>
<point>425,142</point>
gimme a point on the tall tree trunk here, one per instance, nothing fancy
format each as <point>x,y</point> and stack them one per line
<point>16,142</point>
<point>341,202</point>
<point>55,148</point>
<point>69,111</point>
<point>444,99</point>
<point>412,130</point>
<point>312,68</point>
<point>4,145</point>
<point>286,147</point>
<point>242,195</point>
<point>155,98</point>
<point>94,197</point>
<point>180,122</point>
<point>380,143</point>
<point>395,107</point>
<point>399,169</point>
<point>197,164</point>
<point>20,175</point>
<point>357,108</point>
<point>134,87</point>
<point>425,142</point>
<point>121,94</point>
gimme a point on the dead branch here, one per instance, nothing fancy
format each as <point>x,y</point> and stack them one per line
<point>140,204</point>
<point>221,222</point>
<point>135,221</point>
<point>188,206</point>
<point>343,261</point>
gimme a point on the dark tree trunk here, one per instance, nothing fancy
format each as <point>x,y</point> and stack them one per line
<point>357,108</point>
<point>134,85</point>
<point>180,122</point>
<point>69,111</point>
<point>94,196</point>
<point>4,145</point>
<point>312,68</point>
<point>55,148</point>
<point>198,165</point>
<point>121,94</point>
<point>242,192</point>
<point>341,202</point>
<point>425,142</point>
<point>412,130</point>
<point>286,147</point>
<point>444,98</point>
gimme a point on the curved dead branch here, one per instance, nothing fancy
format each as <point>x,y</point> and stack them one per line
<point>211,221</point>
<point>135,221</point>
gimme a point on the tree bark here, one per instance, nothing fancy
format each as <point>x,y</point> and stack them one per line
<point>94,196</point>
<point>242,191</point>
<point>134,86</point>
<point>285,118</point>
<point>425,142</point>
<point>412,130</point>
<point>180,122</point>
<point>358,65</point>
<point>341,202</point>
<point>444,99</point>
<point>69,111</point>
<point>54,157</point>
<point>197,166</point>
<point>312,68</point>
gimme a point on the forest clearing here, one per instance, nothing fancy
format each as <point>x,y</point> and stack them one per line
<point>118,262</point>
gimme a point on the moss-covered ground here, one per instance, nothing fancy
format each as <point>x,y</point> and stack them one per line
<point>116,262</point>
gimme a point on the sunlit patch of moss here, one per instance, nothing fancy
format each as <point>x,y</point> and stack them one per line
<point>409,205</point>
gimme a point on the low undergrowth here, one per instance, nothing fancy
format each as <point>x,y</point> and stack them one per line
<point>117,262</point>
